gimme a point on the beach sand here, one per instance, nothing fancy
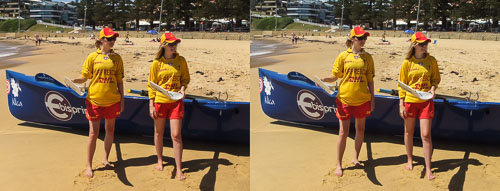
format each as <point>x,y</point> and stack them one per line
<point>40,157</point>
<point>288,156</point>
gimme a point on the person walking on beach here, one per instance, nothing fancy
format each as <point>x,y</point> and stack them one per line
<point>104,69</point>
<point>36,39</point>
<point>355,98</point>
<point>169,70</point>
<point>419,71</point>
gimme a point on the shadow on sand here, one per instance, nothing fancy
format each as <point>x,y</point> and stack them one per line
<point>456,182</point>
<point>208,180</point>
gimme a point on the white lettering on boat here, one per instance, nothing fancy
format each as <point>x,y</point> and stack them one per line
<point>59,107</point>
<point>311,106</point>
<point>16,103</point>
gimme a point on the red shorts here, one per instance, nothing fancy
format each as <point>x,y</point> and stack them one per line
<point>173,110</point>
<point>95,112</point>
<point>423,110</point>
<point>345,112</point>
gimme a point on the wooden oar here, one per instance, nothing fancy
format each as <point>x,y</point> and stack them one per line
<point>438,96</point>
<point>188,96</point>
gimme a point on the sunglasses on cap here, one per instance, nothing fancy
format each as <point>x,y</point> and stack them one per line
<point>423,44</point>
<point>110,38</point>
<point>364,37</point>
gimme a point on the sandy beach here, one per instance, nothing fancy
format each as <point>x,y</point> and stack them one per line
<point>39,157</point>
<point>288,156</point>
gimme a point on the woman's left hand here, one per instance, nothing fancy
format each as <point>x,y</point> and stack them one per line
<point>432,91</point>
<point>122,105</point>
<point>182,92</point>
<point>372,105</point>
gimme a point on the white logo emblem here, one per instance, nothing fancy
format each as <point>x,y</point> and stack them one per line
<point>311,106</point>
<point>15,87</point>
<point>268,86</point>
<point>59,107</point>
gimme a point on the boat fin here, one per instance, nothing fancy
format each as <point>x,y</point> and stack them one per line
<point>299,76</point>
<point>46,78</point>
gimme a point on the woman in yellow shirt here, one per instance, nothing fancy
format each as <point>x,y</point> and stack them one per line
<point>169,70</point>
<point>419,71</point>
<point>355,98</point>
<point>104,69</point>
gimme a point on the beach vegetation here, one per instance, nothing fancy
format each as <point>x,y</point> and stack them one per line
<point>270,23</point>
<point>13,25</point>
<point>305,27</point>
<point>46,28</point>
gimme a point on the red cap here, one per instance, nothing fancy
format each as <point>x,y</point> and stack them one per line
<point>169,38</point>
<point>358,32</point>
<point>419,37</point>
<point>107,32</point>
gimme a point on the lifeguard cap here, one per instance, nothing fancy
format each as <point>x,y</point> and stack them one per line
<point>358,32</point>
<point>107,32</point>
<point>169,38</point>
<point>419,37</point>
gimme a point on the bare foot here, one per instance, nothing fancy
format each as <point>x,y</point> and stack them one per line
<point>429,176</point>
<point>89,172</point>
<point>180,175</point>
<point>357,164</point>
<point>106,163</point>
<point>409,166</point>
<point>159,166</point>
<point>338,172</point>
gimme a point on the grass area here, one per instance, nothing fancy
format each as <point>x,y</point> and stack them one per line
<point>305,27</point>
<point>14,24</point>
<point>270,23</point>
<point>46,28</point>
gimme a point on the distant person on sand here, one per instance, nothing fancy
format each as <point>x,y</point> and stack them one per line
<point>383,37</point>
<point>36,39</point>
<point>419,71</point>
<point>293,38</point>
<point>168,70</point>
<point>126,38</point>
<point>105,94</point>
<point>355,98</point>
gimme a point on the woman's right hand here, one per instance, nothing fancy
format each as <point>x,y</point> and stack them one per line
<point>402,111</point>
<point>152,111</point>
<point>329,79</point>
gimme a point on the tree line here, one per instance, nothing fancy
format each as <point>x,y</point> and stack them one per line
<point>375,12</point>
<point>115,13</point>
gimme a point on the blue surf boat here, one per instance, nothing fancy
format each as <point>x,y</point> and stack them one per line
<point>44,100</point>
<point>295,98</point>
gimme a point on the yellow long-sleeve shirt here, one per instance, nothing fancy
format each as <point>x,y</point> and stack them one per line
<point>356,70</point>
<point>420,74</point>
<point>105,73</point>
<point>170,74</point>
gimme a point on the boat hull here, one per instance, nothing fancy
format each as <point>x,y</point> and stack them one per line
<point>296,98</point>
<point>46,101</point>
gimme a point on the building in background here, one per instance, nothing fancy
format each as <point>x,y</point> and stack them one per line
<point>310,10</point>
<point>14,8</point>
<point>43,10</point>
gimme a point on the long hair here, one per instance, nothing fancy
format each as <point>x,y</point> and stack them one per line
<point>98,43</point>
<point>348,43</point>
<point>161,51</point>
<point>411,51</point>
